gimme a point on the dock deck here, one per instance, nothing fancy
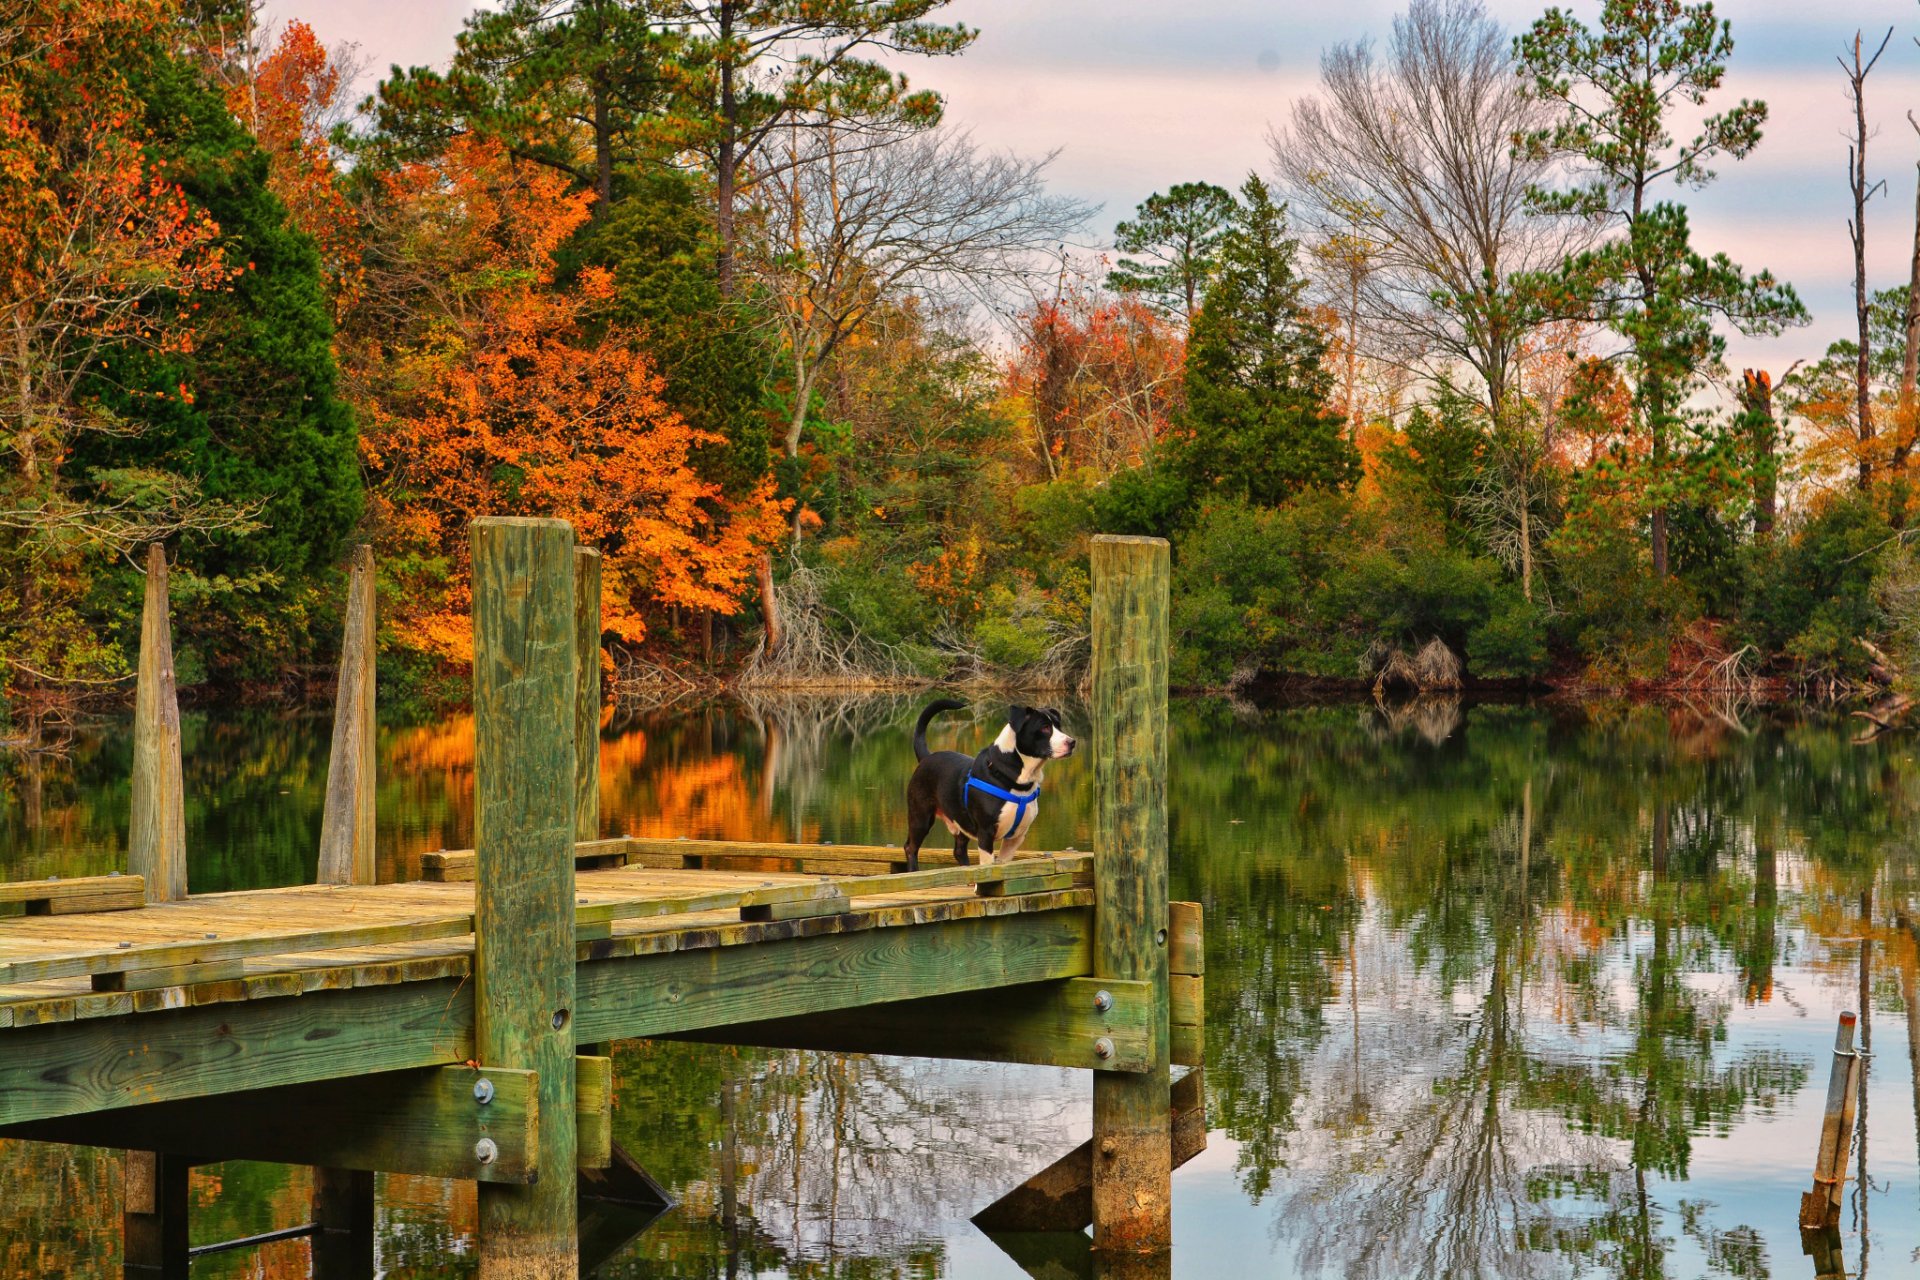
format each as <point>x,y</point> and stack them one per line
<point>457,1027</point>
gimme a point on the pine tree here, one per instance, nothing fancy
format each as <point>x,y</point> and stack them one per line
<point>1256,424</point>
<point>1178,236</point>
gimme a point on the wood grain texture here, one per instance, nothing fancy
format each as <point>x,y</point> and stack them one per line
<point>593,1093</point>
<point>524,691</point>
<point>347,818</point>
<point>423,1122</point>
<point>72,1067</point>
<point>1186,941</point>
<point>586,704</point>
<point>157,835</point>
<point>1132,1175</point>
<point>76,895</point>
<point>1049,1024</point>
<point>689,990</point>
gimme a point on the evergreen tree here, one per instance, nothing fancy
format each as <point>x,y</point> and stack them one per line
<point>659,245</point>
<point>1616,89</point>
<point>260,423</point>
<point>1178,235</point>
<point>1256,424</point>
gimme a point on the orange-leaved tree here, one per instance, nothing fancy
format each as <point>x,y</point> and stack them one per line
<point>1097,378</point>
<point>490,390</point>
<point>298,95</point>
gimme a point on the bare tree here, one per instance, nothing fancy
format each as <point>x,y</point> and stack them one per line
<point>1862,191</point>
<point>852,223</point>
<point>1414,154</point>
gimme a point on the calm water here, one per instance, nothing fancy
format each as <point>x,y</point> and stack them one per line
<point>1499,991</point>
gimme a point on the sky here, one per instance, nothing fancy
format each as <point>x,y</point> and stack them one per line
<point>1133,96</point>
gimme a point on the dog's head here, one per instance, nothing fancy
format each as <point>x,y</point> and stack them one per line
<point>1037,733</point>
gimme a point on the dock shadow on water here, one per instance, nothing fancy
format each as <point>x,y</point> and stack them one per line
<point>1491,991</point>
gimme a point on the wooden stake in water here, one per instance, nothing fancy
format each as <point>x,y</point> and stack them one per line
<point>1820,1207</point>
<point>524,694</point>
<point>1132,1143</point>
<point>157,846</point>
<point>346,823</point>
<point>586,706</point>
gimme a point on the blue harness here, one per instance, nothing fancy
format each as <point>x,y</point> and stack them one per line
<point>1019,801</point>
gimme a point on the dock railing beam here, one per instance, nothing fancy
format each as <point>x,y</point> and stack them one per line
<point>157,843</point>
<point>1132,1147</point>
<point>524,699</point>
<point>346,823</point>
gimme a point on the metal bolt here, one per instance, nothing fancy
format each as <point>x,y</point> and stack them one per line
<point>1107,1148</point>
<point>483,1091</point>
<point>1160,937</point>
<point>212,936</point>
<point>559,1019</point>
<point>486,1151</point>
<point>1102,1001</point>
<point>1103,1048</point>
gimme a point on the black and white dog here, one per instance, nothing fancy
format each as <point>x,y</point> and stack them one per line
<point>990,798</point>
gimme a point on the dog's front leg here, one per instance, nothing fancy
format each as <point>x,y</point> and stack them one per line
<point>960,847</point>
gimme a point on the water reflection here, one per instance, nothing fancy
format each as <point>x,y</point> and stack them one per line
<point>1492,991</point>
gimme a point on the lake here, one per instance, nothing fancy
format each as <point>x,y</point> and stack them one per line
<point>1493,990</point>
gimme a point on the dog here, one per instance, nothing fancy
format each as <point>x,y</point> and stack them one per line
<point>990,799</point>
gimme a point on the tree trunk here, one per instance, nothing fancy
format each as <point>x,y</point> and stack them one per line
<point>727,162</point>
<point>1526,546</point>
<point>769,605</point>
<point>602,152</point>
<point>1757,391</point>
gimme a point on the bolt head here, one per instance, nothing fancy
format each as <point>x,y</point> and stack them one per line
<point>483,1091</point>
<point>1103,1048</point>
<point>1102,1001</point>
<point>486,1151</point>
<point>1107,1148</point>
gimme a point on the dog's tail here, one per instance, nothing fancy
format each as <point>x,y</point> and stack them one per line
<point>920,751</point>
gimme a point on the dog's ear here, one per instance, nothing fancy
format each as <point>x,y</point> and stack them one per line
<point>1053,714</point>
<point>1017,717</point>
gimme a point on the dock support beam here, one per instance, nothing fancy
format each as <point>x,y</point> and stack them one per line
<point>524,698</point>
<point>1132,1143</point>
<point>157,845</point>
<point>346,823</point>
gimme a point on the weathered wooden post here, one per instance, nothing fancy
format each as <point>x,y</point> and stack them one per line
<point>1132,1148</point>
<point>343,1208</point>
<point>1820,1207</point>
<point>586,706</point>
<point>346,823</point>
<point>523,700</point>
<point>157,846</point>
<point>153,1222</point>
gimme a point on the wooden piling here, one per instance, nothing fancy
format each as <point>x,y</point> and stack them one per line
<point>586,707</point>
<point>1132,1165</point>
<point>154,1216</point>
<point>157,847</point>
<point>1820,1207</point>
<point>343,1224</point>
<point>346,823</point>
<point>524,695</point>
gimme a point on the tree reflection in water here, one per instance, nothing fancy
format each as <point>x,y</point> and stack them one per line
<point>1480,982</point>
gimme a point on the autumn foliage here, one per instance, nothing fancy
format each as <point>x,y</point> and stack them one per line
<point>296,91</point>
<point>501,396</point>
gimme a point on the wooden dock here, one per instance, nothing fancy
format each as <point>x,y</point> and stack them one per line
<point>454,1027</point>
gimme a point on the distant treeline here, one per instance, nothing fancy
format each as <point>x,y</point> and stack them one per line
<point>711,281</point>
